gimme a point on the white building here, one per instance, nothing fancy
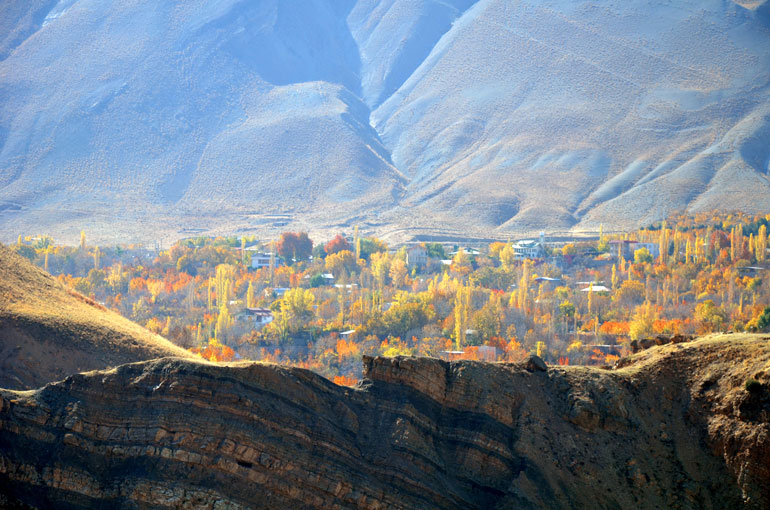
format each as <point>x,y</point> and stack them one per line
<point>530,248</point>
<point>260,260</point>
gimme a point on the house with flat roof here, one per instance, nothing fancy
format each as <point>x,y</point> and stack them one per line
<point>260,260</point>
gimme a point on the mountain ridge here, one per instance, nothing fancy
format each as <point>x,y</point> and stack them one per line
<point>476,117</point>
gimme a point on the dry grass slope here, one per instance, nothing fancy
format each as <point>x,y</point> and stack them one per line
<point>48,331</point>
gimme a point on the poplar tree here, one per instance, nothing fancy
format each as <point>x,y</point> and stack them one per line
<point>524,284</point>
<point>357,242</point>
<point>663,244</point>
<point>760,248</point>
<point>250,296</point>
<point>707,244</point>
<point>461,312</point>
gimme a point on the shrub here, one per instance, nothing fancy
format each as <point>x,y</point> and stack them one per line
<point>753,386</point>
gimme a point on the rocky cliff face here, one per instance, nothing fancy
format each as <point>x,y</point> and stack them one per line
<point>675,429</point>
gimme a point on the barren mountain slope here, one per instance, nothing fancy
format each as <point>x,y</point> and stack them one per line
<point>675,429</point>
<point>150,119</point>
<point>48,332</point>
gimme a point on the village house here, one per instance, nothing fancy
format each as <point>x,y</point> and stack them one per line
<point>260,260</point>
<point>417,256</point>
<point>626,248</point>
<point>260,316</point>
<point>530,248</point>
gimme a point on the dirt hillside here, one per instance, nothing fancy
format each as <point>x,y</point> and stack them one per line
<point>48,332</point>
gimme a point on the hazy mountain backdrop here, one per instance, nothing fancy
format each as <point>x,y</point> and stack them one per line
<point>139,119</point>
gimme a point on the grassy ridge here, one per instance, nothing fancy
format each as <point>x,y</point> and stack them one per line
<point>48,331</point>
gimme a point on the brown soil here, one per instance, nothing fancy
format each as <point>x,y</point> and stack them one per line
<point>48,332</point>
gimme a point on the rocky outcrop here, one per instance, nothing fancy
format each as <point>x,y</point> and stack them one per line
<point>676,428</point>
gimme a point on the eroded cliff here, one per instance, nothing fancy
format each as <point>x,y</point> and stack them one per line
<point>676,429</point>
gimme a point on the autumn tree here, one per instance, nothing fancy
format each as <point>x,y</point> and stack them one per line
<point>341,263</point>
<point>763,321</point>
<point>461,263</point>
<point>507,256</point>
<point>523,292</point>
<point>710,316</point>
<point>337,245</point>
<point>642,256</point>
<point>295,310</point>
<point>760,244</point>
<point>488,321</point>
<point>461,313</point>
<point>642,324</point>
<point>294,246</point>
<point>398,273</point>
<point>224,282</point>
<point>250,299</point>
<point>630,293</point>
<point>401,318</point>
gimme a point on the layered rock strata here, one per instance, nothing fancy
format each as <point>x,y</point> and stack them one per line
<point>675,429</point>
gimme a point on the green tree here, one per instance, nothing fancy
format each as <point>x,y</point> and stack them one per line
<point>370,245</point>
<point>435,250</point>
<point>317,280</point>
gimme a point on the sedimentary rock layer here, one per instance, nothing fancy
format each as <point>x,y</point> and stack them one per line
<point>675,429</point>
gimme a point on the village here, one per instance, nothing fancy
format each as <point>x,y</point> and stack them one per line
<point>322,306</point>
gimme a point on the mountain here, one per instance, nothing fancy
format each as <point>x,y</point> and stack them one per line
<point>674,428</point>
<point>152,119</point>
<point>48,332</point>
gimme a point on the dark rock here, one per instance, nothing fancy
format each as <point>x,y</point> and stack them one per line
<point>535,364</point>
